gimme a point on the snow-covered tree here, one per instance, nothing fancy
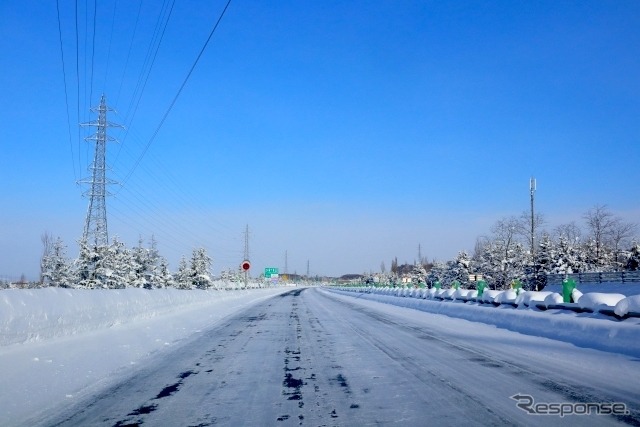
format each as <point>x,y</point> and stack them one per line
<point>56,268</point>
<point>601,224</point>
<point>567,257</point>
<point>201,269</point>
<point>116,266</point>
<point>633,260</point>
<point>460,268</point>
<point>418,275</point>
<point>85,266</point>
<point>437,273</point>
<point>182,277</point>
<point>141,266</point>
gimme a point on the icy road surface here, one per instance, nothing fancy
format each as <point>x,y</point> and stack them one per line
<point>315,358</point>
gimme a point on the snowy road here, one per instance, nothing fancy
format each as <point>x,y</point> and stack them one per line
<point>311,357</point>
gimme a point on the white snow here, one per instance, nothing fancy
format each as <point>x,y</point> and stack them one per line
<point>595,331</point>
<point>598,300</point>
<point>529,298</point>
<point>508,296</point>
<point>53,341</point>
<point>552,299</point>
<point>29,315</point>
<point>628,305</point>
<point>489,295</point>
<point>576,295</point>
<point>627,289</point>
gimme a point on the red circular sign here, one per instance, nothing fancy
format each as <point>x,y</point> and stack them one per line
<point>246,265</point>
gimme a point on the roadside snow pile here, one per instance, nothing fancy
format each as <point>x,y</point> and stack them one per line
<point>489,295</point>
<point>596,300</point>
<point>576,295</point>
<point>553,298</point>
<point>37,314</point>
<point>595,331</point>
<point>506,297</point>
<point>628,305</point>
<point>628,289</point>
<point>530,298</point>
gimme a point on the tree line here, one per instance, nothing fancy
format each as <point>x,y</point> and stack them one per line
<point>522,248</point>
<point>115,267</point>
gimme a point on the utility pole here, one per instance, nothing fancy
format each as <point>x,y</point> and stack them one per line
<point>246,257</point>
<point>307,269</point>
<point>246,242</point>
<point>95,227</point>
<point>532,189</point>
<point>286,263</point>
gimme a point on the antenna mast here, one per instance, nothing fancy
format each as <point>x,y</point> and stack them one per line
<point>95,227</point>
<point>532,189</point>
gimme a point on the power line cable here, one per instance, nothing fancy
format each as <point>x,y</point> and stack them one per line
<point>93,49</point>
<point>66,96</point>
<point>126,65</point>
<point>184,83</point>
<point>106,72</point>
<point>144,75</point>
<point>78,86</point>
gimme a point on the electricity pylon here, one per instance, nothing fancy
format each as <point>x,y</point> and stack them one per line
<point>95,226</point>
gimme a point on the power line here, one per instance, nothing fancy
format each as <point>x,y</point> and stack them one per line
<point>78,84</point>
<point>66,96</point>
<point>93,48</point>
<point>184,83</point>
<point>145,71</point>
<point>126,64</point>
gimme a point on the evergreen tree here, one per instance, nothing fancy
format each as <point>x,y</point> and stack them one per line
<point>418,275</point>
<point>201,269</point>
<point>56,268</point>
<point>183,276</point>
<point>633,260</point>
<point>461,268</point>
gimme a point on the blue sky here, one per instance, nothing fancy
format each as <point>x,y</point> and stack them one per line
<point>344,133</point>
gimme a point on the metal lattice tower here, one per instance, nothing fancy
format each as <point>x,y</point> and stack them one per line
<point>95,227</point>
<point>246,242</point>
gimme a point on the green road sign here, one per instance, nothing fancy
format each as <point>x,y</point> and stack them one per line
<point>270,271</point>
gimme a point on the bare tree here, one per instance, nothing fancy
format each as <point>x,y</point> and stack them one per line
<point>570,231</point>
<point>621,234</point>
<point>525,227</point>
<point>601,223</point>
<point>505,232</point>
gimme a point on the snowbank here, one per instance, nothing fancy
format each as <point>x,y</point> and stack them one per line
<point>576,295</point>
<point>628,289</point>
<point>597,332</point>
<point>37,314</point>
<point>628,305</point>
<point>553,298</point>
<point>506,297</point>
<point>490,295</point>
<point>596,300</point>
<point>529,298</point>
<point>95,337</point>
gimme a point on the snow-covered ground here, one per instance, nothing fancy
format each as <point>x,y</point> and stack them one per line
<point>58,343</point>
<point>58,346</point>
<point>590,330</point>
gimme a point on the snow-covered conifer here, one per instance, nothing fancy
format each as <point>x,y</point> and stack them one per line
<point>56,268</point>
<point>201,269</point>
